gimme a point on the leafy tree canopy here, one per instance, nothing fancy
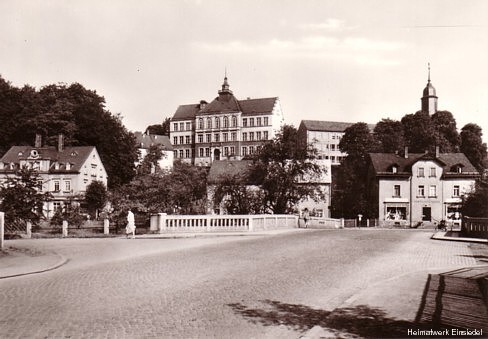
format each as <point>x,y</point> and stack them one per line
<point>96,195</point>
<point>21,198</point>
<point>279,166</point>
<point>74,111</point>
<point>159,129</point>
<point>473,147</point>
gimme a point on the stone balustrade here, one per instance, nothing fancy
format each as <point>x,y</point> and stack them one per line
<point>163,223</point>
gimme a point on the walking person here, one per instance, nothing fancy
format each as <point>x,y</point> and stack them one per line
<point>306,217</point>
<point>131,225</point>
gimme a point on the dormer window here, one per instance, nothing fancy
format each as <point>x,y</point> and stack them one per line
<point>457,168</point>
<point>34,153</point>
<point>20,154</point>
<point>68,166</point>
<point>393,168</point>
<point>74,154</point>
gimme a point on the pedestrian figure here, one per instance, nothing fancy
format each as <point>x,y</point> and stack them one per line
<point>306,216</point>
<point>131,225</point>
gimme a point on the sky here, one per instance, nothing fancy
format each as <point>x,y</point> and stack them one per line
<point>344,60</point>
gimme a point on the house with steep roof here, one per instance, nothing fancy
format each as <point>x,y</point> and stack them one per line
<point>224,129</point>
<point>145,141</point>
<point>65,172</point>
<point>238,171</point>
<point>325,137</point>
<point>420,188</point>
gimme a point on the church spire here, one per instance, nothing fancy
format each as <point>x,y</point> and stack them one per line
<point>429,98</point>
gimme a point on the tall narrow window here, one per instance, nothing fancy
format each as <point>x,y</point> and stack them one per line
<point>432,172</point>
<point>396,191</point>
<point>456,191</point>
<point>421,191</point>
<point>433,191</point>
<point>421,172</point>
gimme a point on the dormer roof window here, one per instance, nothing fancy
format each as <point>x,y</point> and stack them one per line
<point>458,168</point>
<point>34,153</point>
<point>394,168</point>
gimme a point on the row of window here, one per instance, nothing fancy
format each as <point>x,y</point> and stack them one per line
<point>421,172</point>
<point>205,152</point>
<point>421,191</point>
<point>246,136</point>
<point>57,185</point>
<point>225,122</point>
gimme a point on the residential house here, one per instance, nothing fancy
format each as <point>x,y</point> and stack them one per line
<point>420,188</point>
<point>145,141</point>
<point>65,172</point>
<point>225,128</point>
<point>239,170</point>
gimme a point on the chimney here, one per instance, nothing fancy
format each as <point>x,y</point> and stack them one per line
<point>60,143</point>
<point>437,151</point>
<point>38,141</point>
<point>406,152</point>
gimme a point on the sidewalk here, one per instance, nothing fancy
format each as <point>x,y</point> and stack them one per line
<point>16,262</point>
<point>397,298</point>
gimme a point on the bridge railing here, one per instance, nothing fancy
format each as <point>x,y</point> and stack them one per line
<point>163,223</point>
<point>475,227</point>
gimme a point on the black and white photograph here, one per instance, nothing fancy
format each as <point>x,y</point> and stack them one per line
<point>275,169</point>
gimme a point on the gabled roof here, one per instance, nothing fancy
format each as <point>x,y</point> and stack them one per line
<point>229,168</point>
<point>227,103</point>
<point>186,112</point>
<point>329,126</point>
<point>257,106</point>
<point>382,162</point>
<point>75,155</point>
<point>219,105</point>
<point>147,140</point>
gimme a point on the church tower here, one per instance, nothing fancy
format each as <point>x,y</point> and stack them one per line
<point>429,99</point>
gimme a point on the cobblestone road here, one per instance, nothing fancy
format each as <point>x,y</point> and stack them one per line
<point>209,288</point>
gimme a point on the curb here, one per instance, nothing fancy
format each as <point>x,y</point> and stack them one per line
<point>62,261</point>
<point>437,236</point>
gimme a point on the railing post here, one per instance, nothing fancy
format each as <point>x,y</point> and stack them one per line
<point>2,225</point>
<point>162,222</point>
<point>342,222</point>
<point>28,229</point>
<point>106,226</point>
<point>251,226</point>
<point>65,229</point>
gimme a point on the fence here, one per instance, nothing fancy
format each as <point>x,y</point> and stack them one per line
<point>475,227</point>
<point>163,223</point>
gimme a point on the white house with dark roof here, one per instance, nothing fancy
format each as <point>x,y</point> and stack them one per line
<point>65,171</point>
<point>225,128</point>
<point>145,141</point>
<point>325,136</point>
<point>239,170</point>
<point>418,188</point>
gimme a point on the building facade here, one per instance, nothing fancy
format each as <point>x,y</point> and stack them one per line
<point>65,172</point>
<point>226,128</point>
<point>238,171</point>
<point>420,188</point>
<point>325,136</point>
<point>144,143</point>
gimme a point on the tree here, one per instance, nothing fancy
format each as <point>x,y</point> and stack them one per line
<point>389,136</point>
<point>150,163</point>
<point>74,111</point>
<point>419,132</point>
<point>237,197</point>
<point>473,147</point>
<point>279,165</point>
<point>475,203</point>
<point>446,135</point>
<point>159,129</point>
<point>22,198</point>
<point>183,190</point>
<point>95,196</point>
<point>350,195</point>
